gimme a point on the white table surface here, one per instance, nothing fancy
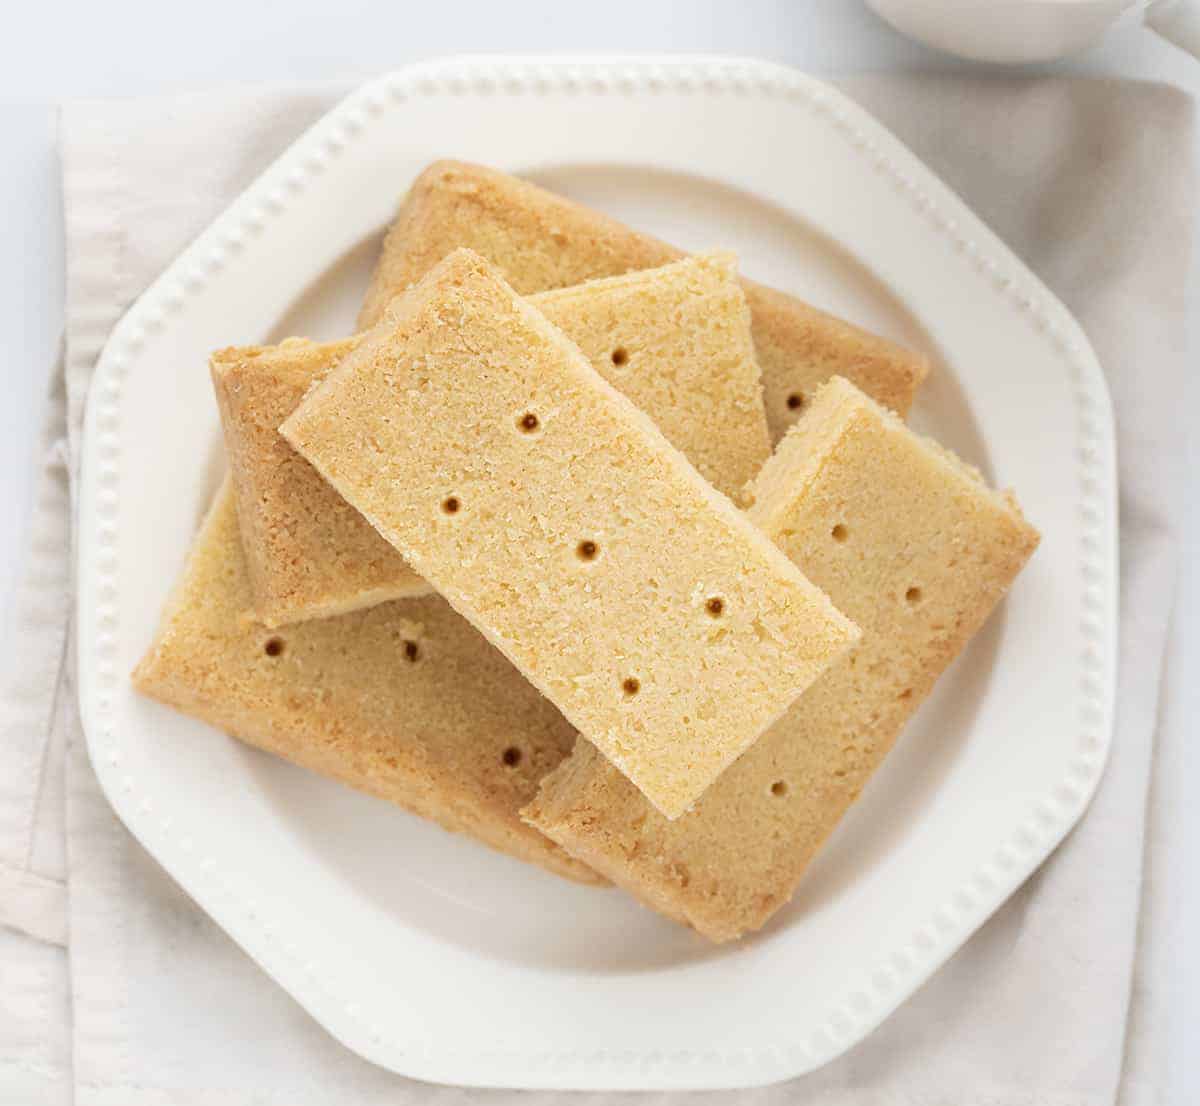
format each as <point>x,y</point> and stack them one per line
<point>62,50</point>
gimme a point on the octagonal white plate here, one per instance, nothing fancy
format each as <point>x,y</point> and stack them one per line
<point>429,954</point>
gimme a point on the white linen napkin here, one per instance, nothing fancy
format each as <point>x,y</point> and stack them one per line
<point>1090,182</point>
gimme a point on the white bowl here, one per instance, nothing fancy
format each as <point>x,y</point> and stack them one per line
<point>1005,31</point>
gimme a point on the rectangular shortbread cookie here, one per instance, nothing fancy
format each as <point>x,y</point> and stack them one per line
<point>405,701</point>
<point>540,240</point>
<point>554,515</point>
<point>908,542</point>
<point>676,340</point>
<point>309,554</point>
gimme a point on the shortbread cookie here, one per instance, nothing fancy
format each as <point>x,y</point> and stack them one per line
<point>405,701</point>
<point>675,340</point>
<point>553,514</point>
<point>309,554</point>
<point>540,240</point>
<point>908,542</point>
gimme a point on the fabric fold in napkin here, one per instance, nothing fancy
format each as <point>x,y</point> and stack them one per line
<point>1090,182</point>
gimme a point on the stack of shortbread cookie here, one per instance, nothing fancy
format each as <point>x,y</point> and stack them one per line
<point>519,557</point>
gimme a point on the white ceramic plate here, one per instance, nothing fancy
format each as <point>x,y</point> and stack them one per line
<point>425,952</point>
